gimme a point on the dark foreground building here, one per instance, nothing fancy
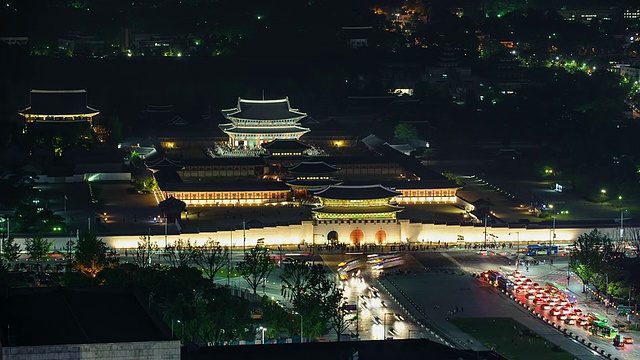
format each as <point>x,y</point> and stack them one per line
<point>81,323</point>
<point>349,350</point>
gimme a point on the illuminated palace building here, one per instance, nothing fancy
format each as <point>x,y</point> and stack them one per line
<point>254,122</point>
<point>265,157</point>
<point>60,114</point>
<point>58,106</point>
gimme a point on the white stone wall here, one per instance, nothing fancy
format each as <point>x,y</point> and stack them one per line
<point>400,231</point>
<point>151,350</point>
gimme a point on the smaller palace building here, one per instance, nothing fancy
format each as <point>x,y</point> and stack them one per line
<point>58,106</point>
<point>253,122</point>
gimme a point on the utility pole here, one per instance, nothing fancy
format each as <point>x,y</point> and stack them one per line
<point>518,249</point>
<point>485,231</point>
<point>606,289</point>
<point>553,236</point>
<point>621,221</point>
<point>166,224</point>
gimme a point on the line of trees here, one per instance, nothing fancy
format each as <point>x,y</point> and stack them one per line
<point>184,287</point>
<point>608,265</point>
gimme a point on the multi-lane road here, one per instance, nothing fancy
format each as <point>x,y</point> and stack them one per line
<point>440,287</point>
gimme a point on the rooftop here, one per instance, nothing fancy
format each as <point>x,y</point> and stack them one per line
<point>313,167</point>
<point>59,102</point>
<point>355,192</point>
<point>263,110</point>
<point>76,316</point>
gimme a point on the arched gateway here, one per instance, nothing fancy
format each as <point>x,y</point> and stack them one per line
<point>381,237</point>
<point>332,237</point>
<point>357,236</point>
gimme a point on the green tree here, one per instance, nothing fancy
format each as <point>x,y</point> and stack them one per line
<point>297,278</point>
<point>144,251</point>
<point>256,266</point>
<point>11,251</point>
<point>404,131</point>
<point>37,248</point>
<point>334,308</point>
<point>588,259</point>
<point>92,254</point>
<point>180,253</point>
<point>211,257</point>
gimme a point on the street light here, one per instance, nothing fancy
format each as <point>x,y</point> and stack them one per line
<point>263,329</point>
<point>384,325</point>
<point>301,337</point>
<point>518,249</point>
<point>181,330</point>
<point>553,236</point>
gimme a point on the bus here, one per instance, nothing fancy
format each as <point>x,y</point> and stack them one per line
<point>492,276</point>
<point>505,284</point>
<point>349,265</point>
<point>595,317</point>
<point>603,329</point>
<point>533,250</point>
<point>386,261</point>
<point>563,292</point>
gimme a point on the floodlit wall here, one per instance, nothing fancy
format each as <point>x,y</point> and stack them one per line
<point>395,231</point>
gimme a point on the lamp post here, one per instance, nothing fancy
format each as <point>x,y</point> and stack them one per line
<point>518,248</point>
<point>552,236</point>
<point>384,325</point>
<point>606,290</point>
<point>621,221</point>
<point>181,330</point>
<point>166,224</point>
<point>301,336</point>
<point>263,329</point>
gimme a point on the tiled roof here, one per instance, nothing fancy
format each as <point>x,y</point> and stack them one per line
<point>228,186</point>
<point>313,183</point>
<point>263,110</point>
<point>357,209</point>
<point>262,129</point>
<point>361,192</point>
<point>313,167</point>
<point>285,144</point>
<point>59,102</point>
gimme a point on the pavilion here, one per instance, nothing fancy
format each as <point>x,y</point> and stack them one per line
<point>58,106</point>
<point>253,122</point>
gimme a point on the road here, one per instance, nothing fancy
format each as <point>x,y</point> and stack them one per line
<point>453,292</point>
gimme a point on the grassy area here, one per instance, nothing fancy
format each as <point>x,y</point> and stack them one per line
<point>511,339</point>
<point>222,273</point>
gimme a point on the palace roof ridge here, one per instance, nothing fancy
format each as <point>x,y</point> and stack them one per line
<point>58,91</point>
<point>276,113</point>
<point>359,192</point>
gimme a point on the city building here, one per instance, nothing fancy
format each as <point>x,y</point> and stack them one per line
<point>254,122</point>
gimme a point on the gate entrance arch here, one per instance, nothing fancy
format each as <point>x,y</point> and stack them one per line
<point>332,237</point>
<point>381,237</point>
<point>357,236</point>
